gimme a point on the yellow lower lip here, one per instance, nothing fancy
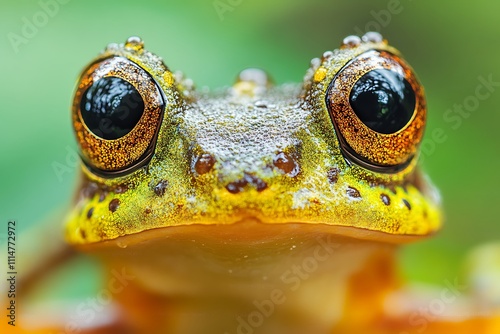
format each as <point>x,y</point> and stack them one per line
<point>250,232</point>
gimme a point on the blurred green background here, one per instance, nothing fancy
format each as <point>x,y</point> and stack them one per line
<point>449,44</point>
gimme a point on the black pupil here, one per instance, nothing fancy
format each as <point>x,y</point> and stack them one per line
<point>383,100</point>
<point>111,107</point>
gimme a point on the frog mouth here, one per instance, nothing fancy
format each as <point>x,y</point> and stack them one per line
<point>251,232</point>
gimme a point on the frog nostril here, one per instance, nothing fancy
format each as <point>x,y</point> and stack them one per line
<point>287,163</point>
<point>204,163</point>
<point>238,186</point>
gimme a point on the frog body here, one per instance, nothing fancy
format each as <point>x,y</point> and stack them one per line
<point>257,209</point>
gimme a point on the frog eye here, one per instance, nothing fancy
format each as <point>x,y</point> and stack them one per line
<point>117,111</point>
<point>378,109</point>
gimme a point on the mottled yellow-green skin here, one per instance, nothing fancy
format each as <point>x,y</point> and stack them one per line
<point>244,138</point>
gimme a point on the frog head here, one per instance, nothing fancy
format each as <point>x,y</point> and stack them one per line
<point>339,150</point>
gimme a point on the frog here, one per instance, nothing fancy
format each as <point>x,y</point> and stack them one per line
<point>255,208</point>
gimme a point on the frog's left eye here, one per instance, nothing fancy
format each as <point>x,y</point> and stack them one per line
<point>117,110</point>
<point>378,108</point>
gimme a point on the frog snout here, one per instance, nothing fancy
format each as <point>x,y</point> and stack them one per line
<point>204,163</point>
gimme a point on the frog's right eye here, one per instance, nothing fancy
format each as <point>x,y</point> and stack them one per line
<point>378,108</point>
<point>117,110</point>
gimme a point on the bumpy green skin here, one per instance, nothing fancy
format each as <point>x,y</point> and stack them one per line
<point>244,131</point>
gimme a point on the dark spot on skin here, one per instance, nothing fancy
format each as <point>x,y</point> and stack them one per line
<point>287,163</point>
<point>261,186</point>
<point>147,211</point>
<point>204,163</point>
<point>114,204</point>
<point>102,195</point>
<point>236,186</point>
<point>353,192</point>
<point>120,189</point>
<point>333,175</point>
<point>160,188</point>
<point>385,199</point>
<point>407,204</point>
<point>90,212</point>
<point>83,234</point>
<point>90,190</point>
